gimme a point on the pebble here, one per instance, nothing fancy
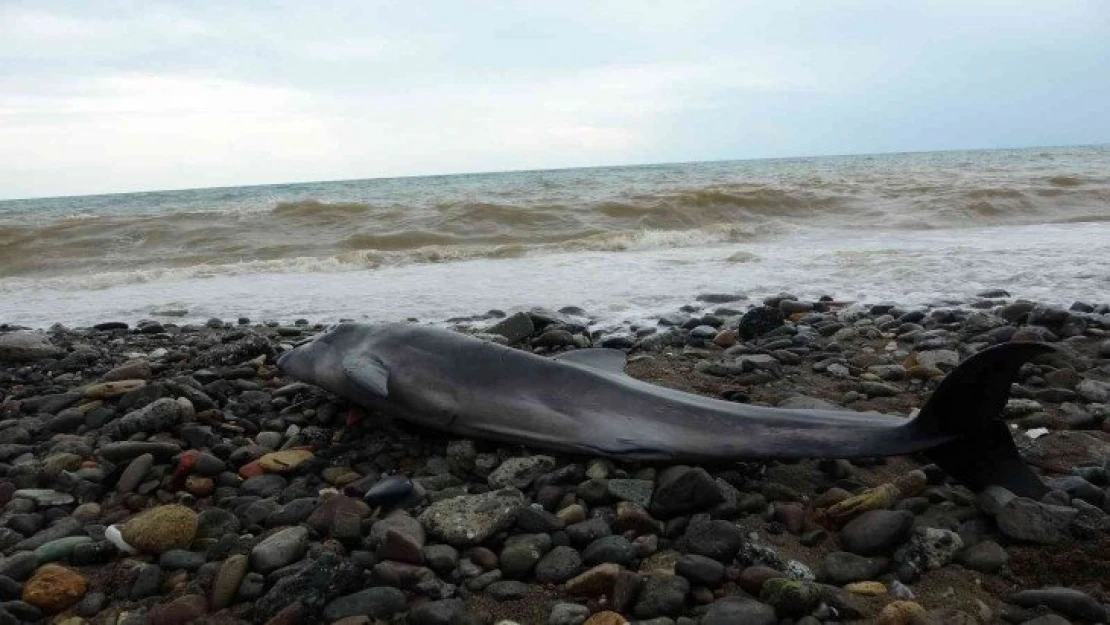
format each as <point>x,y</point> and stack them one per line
<point>268,485</point>
<point>738,609</point>
<point>53,588</point>
<point>636,491</point>
<point>22,346</point>
<point>930,548</point>
<point>868,589</point>
<point>438,612</point>
<point>682,490</point>
<point>389,491</point>
<point>876,532</point>
<point>1027,520</point>
<point>227,581</point>
<point>520,472</point>
<point>44,497</point>
<point>134,473</point>
<point>470,519</point>
<point>793,598</point>
<point>661,595</point>
<point>902,613</point>
<point>284,461</point>
<point>176,559</point>
<point>840,568</point>
<point>595,581</point>
<point>378,603</point>
<point>700,570</point>
<point>60,549</point>
<point>568,614</point>
<point>558,565</point>
<point>717,539</point>
<point>616,549</point>
<point>1068,601</point>
<point>508,590</point>
<point>181,611</point>
<point>985,557</point>
<point>279,549</point>
<point>521,553</point>
<point>160,529</point>
<point>204,427</point>
<point>148,581</point>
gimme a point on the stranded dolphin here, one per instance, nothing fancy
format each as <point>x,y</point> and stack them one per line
<point>582,402</point>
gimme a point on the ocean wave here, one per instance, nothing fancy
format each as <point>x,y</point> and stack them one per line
<point>319,209</point>
<point>1065,181</point>
<point>363,259</point>
<point>330,226</point>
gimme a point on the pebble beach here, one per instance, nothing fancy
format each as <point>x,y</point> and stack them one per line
<point>168,473</point>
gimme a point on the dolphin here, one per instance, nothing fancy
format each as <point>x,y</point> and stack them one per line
<point>582,402</point>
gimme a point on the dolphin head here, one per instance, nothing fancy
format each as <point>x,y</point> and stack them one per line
<point>320,361</point>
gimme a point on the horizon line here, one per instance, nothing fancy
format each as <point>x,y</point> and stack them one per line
<point>543,169</point>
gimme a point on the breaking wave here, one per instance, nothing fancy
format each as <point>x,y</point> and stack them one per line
<point>107,240</point>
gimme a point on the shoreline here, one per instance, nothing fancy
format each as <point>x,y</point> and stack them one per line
<point>98,428</point>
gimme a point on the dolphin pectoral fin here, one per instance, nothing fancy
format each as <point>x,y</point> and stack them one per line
<point>368,374</point>
<point>601,358</point>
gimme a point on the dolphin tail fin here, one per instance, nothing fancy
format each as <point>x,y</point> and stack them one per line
<point>968,404</point>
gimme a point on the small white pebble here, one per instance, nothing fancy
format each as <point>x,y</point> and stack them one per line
<point>113,535</point>
<point>1036,433</point>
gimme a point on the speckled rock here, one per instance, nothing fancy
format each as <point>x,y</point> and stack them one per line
<point>470,519</point>
<point>160,529</point>
<point>53,588</point>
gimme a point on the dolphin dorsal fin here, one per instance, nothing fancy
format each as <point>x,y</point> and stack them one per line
<point>601,358</point>
<point>369,374</point>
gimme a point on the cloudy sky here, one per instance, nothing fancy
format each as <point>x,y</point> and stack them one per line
<point>119,96</point>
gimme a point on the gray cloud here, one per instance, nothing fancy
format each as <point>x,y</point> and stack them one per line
<point>106,96</point>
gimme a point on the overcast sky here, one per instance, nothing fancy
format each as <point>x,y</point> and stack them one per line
<point>119,96</point>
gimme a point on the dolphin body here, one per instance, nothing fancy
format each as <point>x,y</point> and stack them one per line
<point>582,402</point>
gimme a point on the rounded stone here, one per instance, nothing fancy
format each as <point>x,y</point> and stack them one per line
<point>279,549</point>
<point>841,567</point>
<point>284,461</point>
<point>736,610</point>
<point>790,597</point>
<point>227,581</point>
<point>616,549</point>
<point>54,588</point>
<point>508,590</point>
<point>985,557</point>
<point>568,614</point>
<point>60,549</point>
<point>876,532</point>
<point>180,611</point>
<point>606,618</point>
<point>160,529</point>
<point>700,570</point>
<point>559,565</point>
<point>902,613</point>
<point>378,602</point>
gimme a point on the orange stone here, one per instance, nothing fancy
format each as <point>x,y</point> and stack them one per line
<point>902,613</point>
<point>596,581</point>
<point>54,588</point>
<point>199,485</point>
<point>725,338</point>
<point>606,618</point>
<point>869,589</point>
<point>104,390</point>
<point>251,469</point>
<point>285,460</point>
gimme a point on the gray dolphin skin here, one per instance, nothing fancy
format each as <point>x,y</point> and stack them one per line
<point>582,402</point>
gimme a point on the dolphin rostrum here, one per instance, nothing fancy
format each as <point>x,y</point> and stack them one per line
<point>582,402</point>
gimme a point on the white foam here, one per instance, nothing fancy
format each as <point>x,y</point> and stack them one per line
<point>1056,263</point>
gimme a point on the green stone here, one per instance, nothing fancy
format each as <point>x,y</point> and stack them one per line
<point>60,549</point>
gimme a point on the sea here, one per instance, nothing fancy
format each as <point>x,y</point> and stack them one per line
<point>622,243</point>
